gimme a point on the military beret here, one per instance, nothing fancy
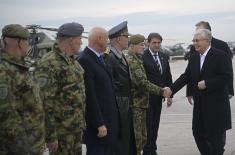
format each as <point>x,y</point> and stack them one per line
<point>70,29</point>
<point>136,39</point>
<point>119,30</point>
<point>15,31</point>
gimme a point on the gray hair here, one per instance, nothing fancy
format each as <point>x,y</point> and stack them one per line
<point>205,33</point>
<point>204,24</point>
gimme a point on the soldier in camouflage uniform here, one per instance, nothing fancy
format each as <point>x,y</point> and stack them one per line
<point>22,129</point>
<point>61,81</point>
<point>141,89</point>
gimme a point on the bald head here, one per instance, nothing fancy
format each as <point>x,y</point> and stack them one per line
<point>98,39</point>
<point>95,33</point>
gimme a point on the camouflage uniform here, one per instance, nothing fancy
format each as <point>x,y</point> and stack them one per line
<point>62,84</point>
<point>22,129</point>
<point>141,89</point>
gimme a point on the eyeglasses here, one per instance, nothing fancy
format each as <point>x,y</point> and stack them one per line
<point>197,40</point>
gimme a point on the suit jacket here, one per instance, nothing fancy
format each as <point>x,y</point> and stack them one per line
<point>101,106</point>
<point>211,110</point>
<point>152,71</point>
<point>223,46</point>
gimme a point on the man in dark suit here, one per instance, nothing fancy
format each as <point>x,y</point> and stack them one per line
<point>101,113</point>
<point>218,44</point>
<point>208,72</point>
<point>157,68</point>
<point>118,36</point>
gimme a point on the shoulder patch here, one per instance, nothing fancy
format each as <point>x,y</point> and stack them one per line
<point>43,81</point>
<point>139,73</point>
<point>3,91</point>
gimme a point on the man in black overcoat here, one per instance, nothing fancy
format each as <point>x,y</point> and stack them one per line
<point>208,73</point>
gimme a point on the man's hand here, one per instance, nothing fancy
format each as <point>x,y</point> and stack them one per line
<point>52,146</point>
<point>102,131</point>
<point>190,100</point>
<point>168,102</point>
<point>167,92</point>
<point>201,85</point>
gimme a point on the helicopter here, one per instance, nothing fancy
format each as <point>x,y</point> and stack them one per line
<point>39,43</point>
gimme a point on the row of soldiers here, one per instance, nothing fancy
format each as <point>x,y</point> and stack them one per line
<point>44,110</point>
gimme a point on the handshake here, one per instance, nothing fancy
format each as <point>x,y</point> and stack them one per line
<point>167,92</point>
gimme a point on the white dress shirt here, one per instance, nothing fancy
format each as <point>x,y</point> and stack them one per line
<point>203,56</point>
<point>158,59</point>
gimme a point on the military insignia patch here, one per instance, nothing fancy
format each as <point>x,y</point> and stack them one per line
<point>138,73</point>
<point>42,81</point>
<point>3,91</point>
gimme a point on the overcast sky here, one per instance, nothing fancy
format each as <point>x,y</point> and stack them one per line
<point>174,19</point>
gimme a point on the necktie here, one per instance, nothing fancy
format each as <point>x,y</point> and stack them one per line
<point>101,58</point>
<point>158,64</point>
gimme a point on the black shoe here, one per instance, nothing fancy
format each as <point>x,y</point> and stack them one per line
<point>154,153</point>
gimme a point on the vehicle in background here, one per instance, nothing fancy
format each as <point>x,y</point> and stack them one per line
<point>178,49</point>
<point>40,42</point>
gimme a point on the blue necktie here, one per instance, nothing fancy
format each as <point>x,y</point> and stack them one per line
<point>101,58</point>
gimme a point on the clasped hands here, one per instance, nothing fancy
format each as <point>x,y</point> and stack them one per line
<point>167,94</point>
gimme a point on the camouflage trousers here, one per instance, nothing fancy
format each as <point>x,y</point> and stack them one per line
<point>16,146</point>
<point>69,145</point>
<point>139,119</point>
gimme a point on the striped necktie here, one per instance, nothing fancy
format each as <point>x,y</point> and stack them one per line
<point>158,64</point>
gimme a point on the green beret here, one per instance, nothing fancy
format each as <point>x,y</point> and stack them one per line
<point>136,39</point>
<point>15,31</point>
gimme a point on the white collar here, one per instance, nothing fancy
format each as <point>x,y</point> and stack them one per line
<point>205,53</point>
